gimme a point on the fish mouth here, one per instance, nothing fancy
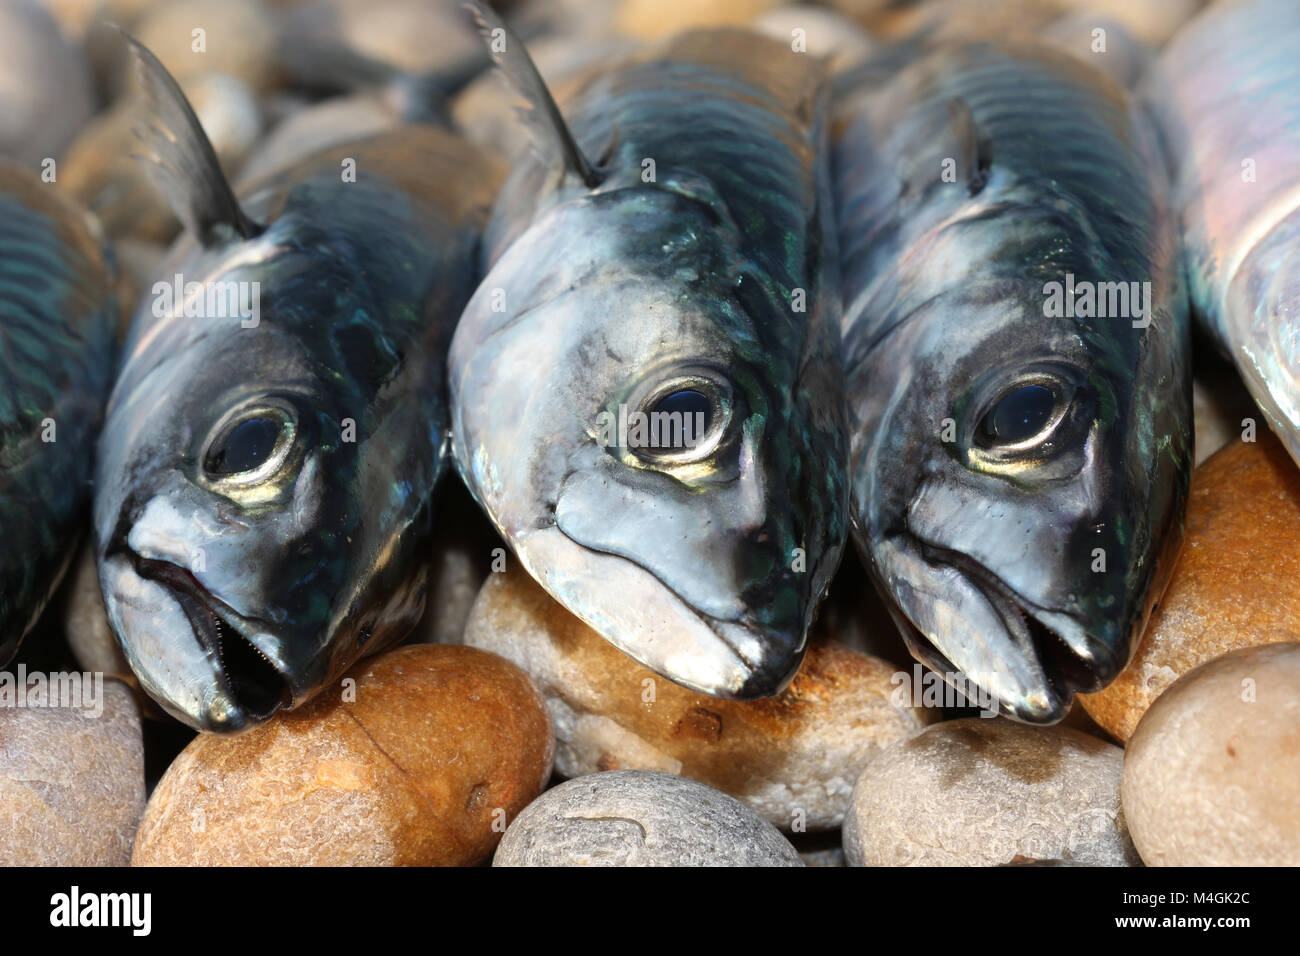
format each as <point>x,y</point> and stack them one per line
<point>1031,669</point>
<point>254,688</point>
<point>646,619</point>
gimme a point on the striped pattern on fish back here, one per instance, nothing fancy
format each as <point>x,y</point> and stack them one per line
<point>1065,136</point>
<point>56,318</point>
<point>735,109</point>
<point>1071,183</point>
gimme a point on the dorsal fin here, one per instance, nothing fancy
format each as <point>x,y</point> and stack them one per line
<point>942,136</point>
<point>540,114</point>
<point>181,160</point>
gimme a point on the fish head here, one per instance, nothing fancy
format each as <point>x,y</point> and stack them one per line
<point>698,550</point>
<point>240,471</point>
<point>1261,324</point>
<point>1014,479</point>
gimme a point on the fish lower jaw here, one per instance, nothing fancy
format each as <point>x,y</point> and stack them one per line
<point>1057,670</point>
<point>649,622</point>
<point>249,688</point>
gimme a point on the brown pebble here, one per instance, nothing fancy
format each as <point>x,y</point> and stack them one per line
<point>439,749</point>
<point>1235,582</point>
<point>793,758</point>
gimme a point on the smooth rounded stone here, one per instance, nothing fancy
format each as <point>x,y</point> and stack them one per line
<point>46,89</point>
<point>71,783</point>
<point>827,34</point>
<point>239,37</point>
<point>417,36</point>
<point>641,818</point>
<point>455,577</point>
<point>315,129</point>
<point>982,792</point>
<point>652,19</point>
<point>424,763</point>
<point>793,758</point>
<point>1212,774</point>
<point>1123,58</point>
<point>1234,585</point>
<point>1221,409</point>
<point>1149,23</point>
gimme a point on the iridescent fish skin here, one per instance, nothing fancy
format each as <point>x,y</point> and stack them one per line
<point>57,314</point>
<point>694,258</point>
<point>264,485</point>
<point>1018,474</point>
<point>1229,97</point>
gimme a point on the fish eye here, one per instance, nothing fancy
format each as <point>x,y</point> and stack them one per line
<point>692,406</point>
<point>1022,417</point>
<point>250,444</point>
<point>244,448</point>
<point>679,420</point>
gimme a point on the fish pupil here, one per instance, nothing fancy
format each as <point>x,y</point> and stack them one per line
<point>696,413</point>
<point>245,447</point>
<point>1020,414</point>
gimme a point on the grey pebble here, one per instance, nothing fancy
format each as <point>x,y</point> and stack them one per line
<point>641,818</point>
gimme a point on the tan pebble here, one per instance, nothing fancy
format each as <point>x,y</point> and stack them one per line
<point>1235,582</point>
<point>825,34</point>
<point>238,37</point>
<point>71,785</point>
<point>439,750</point>
<point>417,37</point>
<point>983,792</point>
<point>650,19</point>
<point>1212,774</point>
<point>316,128</point>
<point>793,758</point>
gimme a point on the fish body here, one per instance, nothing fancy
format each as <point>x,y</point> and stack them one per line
<point>1229,98</point>
<point>264,484</point>
<point>57,314</point>
<point>689,267</point>
<point>1019,462</point>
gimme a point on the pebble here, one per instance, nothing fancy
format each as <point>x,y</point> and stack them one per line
<point>71,784</point>
<point>46,90</point>
<point>988,791</point>
<point>641,818</point>
<point>1221,410</point>
<point>792,758</point>
<point>239,38</point>
<point>317,128</point>
<point>827,34</point>
<point>652,19</point>
<point>1212,774</point>
<point>1235,582</point>
<point>416,37</point>
<point>436,751</point>
<point>1148,23</point>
